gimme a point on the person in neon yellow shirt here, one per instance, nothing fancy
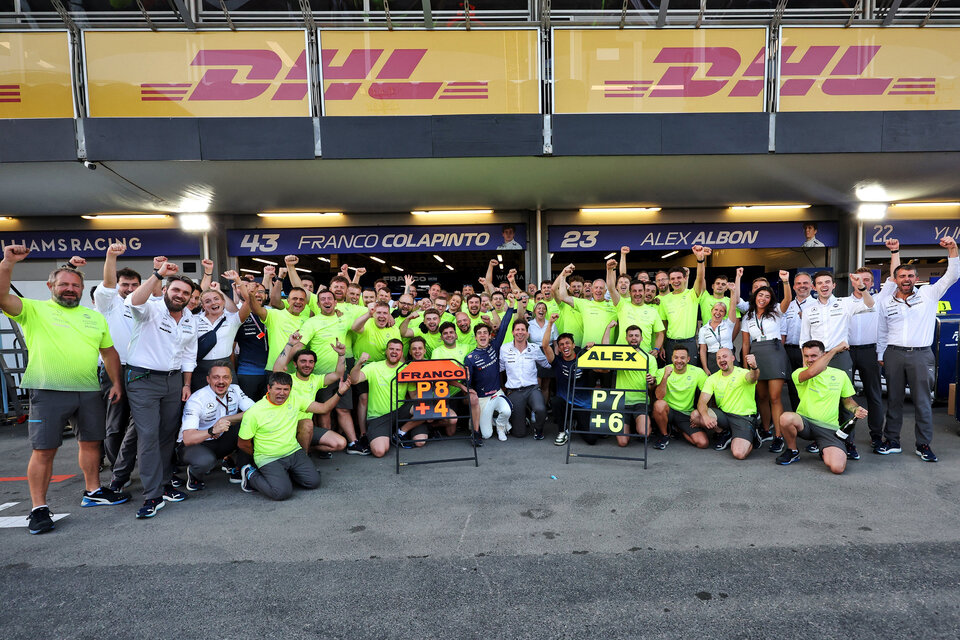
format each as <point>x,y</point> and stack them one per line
<point>384,402</point>
<point>64,341</point>
<point>721,284</point>
<point>595,313</point>
<point>677,383</point>
<point>570,321</point>
<point>821,389</point>
<point>633,311</point>
<point>280,323</point>
<point>268,432</point>
<point>679,308</point>
<point>735,417</point>
<point>636,382</point>
<point>306,384</point>
<point>374,330</point>
<point>428,330</point>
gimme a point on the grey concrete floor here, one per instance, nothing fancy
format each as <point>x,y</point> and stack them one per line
<point>697,544</point>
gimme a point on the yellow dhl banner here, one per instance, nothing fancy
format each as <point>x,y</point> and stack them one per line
<point>201,74</point>
<point>35,75</point>
<point>659,70</point>
<point>869,69</point>
<point>379,73</point>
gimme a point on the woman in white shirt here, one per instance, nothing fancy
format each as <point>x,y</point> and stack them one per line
<point>535,331</point>
<point>217,327</point>
<point>762,329</point>
<point>722,329</point>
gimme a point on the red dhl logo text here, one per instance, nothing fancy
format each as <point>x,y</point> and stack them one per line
<point>392,82</point>
<point>263,68</point>
<point>9,93</point>
<point>721,66</point>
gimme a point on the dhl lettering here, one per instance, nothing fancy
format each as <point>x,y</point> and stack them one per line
<point>853,62</point>
<point>721,65</point>
<point>218,84</point>
<point>399,65</point>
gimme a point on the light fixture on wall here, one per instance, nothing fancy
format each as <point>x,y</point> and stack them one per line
<point>589,210</point>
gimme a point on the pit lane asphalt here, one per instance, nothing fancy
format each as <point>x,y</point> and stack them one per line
<point>696,545</point>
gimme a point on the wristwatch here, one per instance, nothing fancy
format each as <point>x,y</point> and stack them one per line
<point>862,289</point>
<point>210,431</point>
<point>156,272</point>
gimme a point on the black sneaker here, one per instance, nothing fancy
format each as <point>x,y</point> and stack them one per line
<point>777,445</point>
<point>876,442</point>
<point>149,508</point>
<point>852,453</point>
<point>926,453</point>
<point>660,442</point>
<point>888,447</point>
<point>813,447</point>
<point>172,494</point>
<point>765,435</point>
<point>321,455</point>
<point>194,483</point>
<point>789,456</point>
<point>177,482</point>
<point>401,441</point>
<point>356,449</point>
<point>227,465</point>
<point>723,441</point>
<point>538,434</point>
<point>233,475</point>
<point>476,439</point>
<point>40,520</point>
<point>103,496</point>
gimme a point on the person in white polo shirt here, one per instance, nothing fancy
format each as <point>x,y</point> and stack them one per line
<point>520,359</point>
<point>211,422</point>
<point>108,299</point>
<point>160,363</point>
<point>904,335</point>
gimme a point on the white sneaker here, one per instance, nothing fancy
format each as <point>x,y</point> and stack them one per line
<point>501,435</point>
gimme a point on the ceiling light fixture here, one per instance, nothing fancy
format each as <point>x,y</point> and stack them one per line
<point>250,271</point>
<point>127,216</point>
<point>447,212</point>
<point>871,192</point>
<point>609,255</point>
<point>298,214</point>
<point>322,258</point>
<point>872,211</point>
<point>265,261</point>
<point>393,266</point>
<point>754,207</point>
<point>925,204</point>
<point>619,209</point>
<point>376,259</point>
<point>667,255</point>
<point>449,266</point>
<point>439,259</point>
<point>194,221</point>
<point>302,269</point>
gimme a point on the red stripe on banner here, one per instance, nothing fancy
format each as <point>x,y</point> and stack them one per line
<point>161,84</point>
<point>918,79</point>
<point>159,99</point>
<point>9,86</point>
<point>464,90</point>
<point>911,93</point>
<point>463,97</point>
<point>467,84</point>
<point>24,478</point>
<point>163,92</point>
<point>914,86</point>
<point>9,93</point>
<point>9,99</point>
<point>628,82</point>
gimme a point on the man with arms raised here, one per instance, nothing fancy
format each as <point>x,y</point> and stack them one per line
<point>380,376</point>
<point>211,421</point>
<point>483,370</point>
<point>160,364</point>
<point>268,433</point>
<point>817,418</point>
<point>679,308</point>
<point>907,323</point>
<point>734,390</point>
<point>64,341</point>
<point>635,312</point>
<point>306,384</point>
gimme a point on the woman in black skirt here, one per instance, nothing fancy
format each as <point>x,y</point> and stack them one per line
<point>762,331</point>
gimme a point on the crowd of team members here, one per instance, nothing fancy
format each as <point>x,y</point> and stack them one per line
<point>172,371</point>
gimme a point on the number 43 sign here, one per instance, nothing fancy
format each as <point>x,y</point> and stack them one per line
<point>607,403</point>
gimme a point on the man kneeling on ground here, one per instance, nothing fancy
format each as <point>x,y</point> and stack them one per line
<point>817,418</point>
<point>268,432</point>
<point>211,421</point>
<point>736,414</point>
